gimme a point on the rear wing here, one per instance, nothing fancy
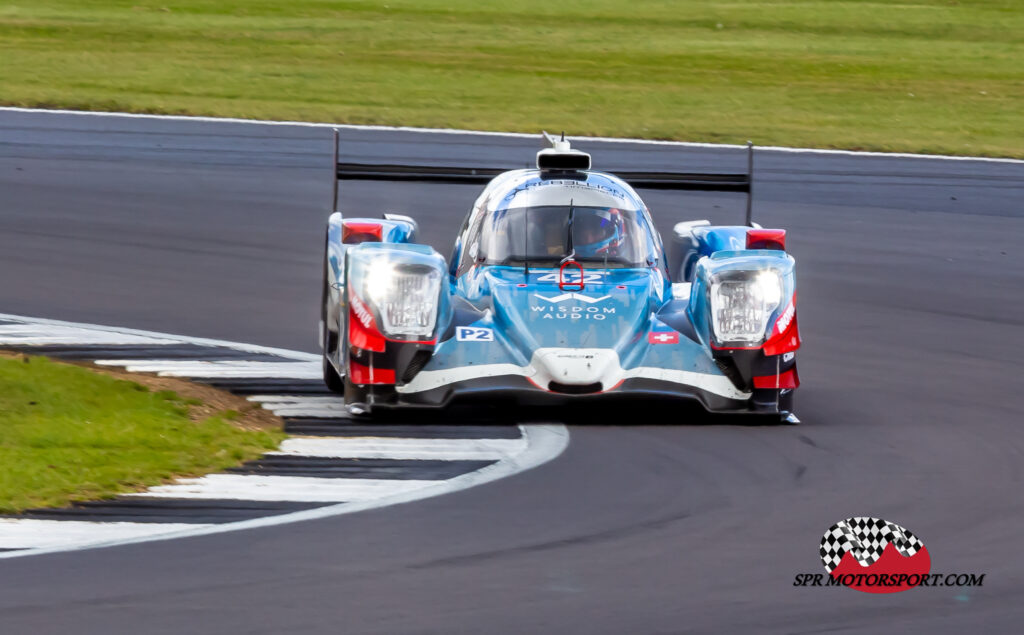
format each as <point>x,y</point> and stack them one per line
<point>693,181</point>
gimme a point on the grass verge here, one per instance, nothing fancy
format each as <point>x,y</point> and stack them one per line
<point>934,76</point>
<point>69,433</point>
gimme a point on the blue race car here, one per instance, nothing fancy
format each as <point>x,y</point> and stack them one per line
<point>559,289</point>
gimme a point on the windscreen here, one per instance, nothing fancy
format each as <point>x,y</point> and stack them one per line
<point>544,235</point>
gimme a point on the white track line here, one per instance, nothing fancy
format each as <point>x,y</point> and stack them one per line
<point>49,335</point>
<point>253,487</point>
<point>182,339</point>
<point>225,369</point>
<point>490,133</point>
<point>318,412</point>
<point>538,444</point>
<point>312,413</point>
<point>32,533</point>
<point>397,448</point>
<point>290,400</point>
<point>543,443</point>
<point>303,406</point>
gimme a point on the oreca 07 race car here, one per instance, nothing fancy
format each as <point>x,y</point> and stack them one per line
<point>558,289</point>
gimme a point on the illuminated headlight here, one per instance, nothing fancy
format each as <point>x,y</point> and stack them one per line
<point>742,302</point>
<point>405,296</point>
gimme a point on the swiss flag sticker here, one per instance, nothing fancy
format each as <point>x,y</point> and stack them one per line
<point>663,338</point>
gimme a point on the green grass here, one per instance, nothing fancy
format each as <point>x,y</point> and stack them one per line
<point>67,433</point>
<point>935,76</point>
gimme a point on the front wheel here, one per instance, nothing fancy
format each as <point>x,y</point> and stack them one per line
<point>333,380</point>
<point>329,339</point>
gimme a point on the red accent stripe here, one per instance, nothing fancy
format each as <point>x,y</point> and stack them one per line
<point>788,340</point>
<point>788,379</point>
<point>364,230</point>
<point>363,375</point>
<point>361,335</point>
<point>766,239</point>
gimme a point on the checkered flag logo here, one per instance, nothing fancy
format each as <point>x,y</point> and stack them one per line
<point>867,538</point>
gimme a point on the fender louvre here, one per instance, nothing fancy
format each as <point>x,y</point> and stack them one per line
<point>419,360</point>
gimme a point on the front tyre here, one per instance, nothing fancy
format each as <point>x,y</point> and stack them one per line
<point>329,342</point>
<point>333,380</point>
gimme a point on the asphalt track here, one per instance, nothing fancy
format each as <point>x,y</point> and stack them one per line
<point>653,520</point>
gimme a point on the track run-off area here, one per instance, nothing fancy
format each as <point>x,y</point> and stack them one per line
<point>330,465</point>
<point>653,519</point>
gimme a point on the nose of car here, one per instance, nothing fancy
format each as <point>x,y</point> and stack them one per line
<point>604,315</point>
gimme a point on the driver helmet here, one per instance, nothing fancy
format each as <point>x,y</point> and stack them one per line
<point>599,233</point>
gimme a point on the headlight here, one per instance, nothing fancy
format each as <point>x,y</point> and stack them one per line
<point>742,302</point>
<point>405,296</point>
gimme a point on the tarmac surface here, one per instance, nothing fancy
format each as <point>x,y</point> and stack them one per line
<point>654,520</point>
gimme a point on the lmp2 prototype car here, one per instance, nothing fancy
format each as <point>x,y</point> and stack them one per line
<point>559,289</point>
